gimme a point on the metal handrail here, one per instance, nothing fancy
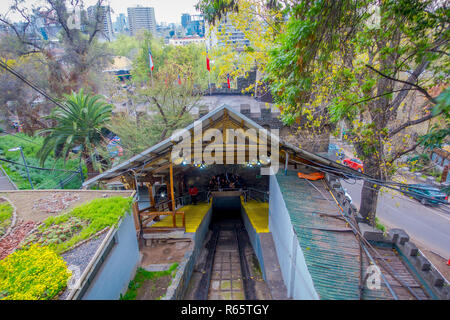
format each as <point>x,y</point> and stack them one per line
<point>9,179</point>
<point>264,193</point>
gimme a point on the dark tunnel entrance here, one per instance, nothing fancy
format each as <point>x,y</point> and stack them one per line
<point>226,205</point>
<point>227,267</point>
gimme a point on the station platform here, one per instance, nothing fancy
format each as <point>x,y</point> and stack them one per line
<point>258,214</point>
<point>194,215</point>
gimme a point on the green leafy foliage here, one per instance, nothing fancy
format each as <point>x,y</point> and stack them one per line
<point>79,124</point>
<point>379,225</point>
<point>64,231</point>
<point>438,133</point>
<point>40,178</point>
<point>169,61</point>
<point>56,233</point>
<point>6,211</point>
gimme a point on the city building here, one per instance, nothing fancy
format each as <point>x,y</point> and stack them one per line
<point>107,30</point>
<point>196,26</point>
<point>121,24</point>
<point>141,18</point>
<point>185,19</point>
<point>193,24</point>
<point>186,40</point>
<point>43,25</point>
<point>229,36</point>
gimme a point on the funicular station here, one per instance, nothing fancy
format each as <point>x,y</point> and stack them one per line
<point>294,222</point>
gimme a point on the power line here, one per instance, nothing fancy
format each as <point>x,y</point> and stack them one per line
<point>321,166</point>
<point>37,168</point>
<point>386,184</point>
<point>42,92</point>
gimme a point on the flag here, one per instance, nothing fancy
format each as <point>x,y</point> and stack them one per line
<point>228,81</point>
<point>150,60</point>
<point>179,79</point>
<point>207,61</point>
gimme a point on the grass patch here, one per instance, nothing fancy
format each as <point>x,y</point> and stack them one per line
<point>143,275</point>
<point>64,231</point>
<point>6,211</point>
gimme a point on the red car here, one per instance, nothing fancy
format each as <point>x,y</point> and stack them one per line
<point>354,163</point>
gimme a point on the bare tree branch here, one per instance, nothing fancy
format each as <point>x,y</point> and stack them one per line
<point>411,123</point>
<point>419,88</point>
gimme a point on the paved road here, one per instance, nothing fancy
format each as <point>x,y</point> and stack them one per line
<point>429,226</point>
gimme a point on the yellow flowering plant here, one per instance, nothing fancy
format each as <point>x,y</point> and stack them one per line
<point>35,273</point>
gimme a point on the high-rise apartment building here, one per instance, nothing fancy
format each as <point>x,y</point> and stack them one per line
<point>107,30</point>
<point>185,19</point>
<point>121,24</point>
<point>141,18</point>
<point>231,36</point>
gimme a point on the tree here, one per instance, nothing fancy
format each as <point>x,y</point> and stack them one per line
<point>78,125</point>
<point>258,22</point>
<point>364,63</point>
<point>17,99</point>
<point>81,54</point>
<point>359,62</point>
<point>157,110</point>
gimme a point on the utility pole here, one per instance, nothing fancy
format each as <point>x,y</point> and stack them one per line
<point>24,162</point>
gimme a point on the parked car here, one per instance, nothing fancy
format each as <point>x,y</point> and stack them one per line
<point>354,163</point>
<point>335,152</point>
<point>425,193</point>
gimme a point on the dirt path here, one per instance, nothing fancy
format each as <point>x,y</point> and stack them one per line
<point>154,289</point>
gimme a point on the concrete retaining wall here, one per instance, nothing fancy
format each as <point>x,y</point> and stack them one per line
<point>180,283</point>
<point>254,240</point>
<point>118,267</point>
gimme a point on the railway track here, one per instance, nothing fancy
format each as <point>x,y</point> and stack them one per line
<point>226,273</point>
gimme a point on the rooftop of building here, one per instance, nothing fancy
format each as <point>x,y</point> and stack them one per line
<point>331,249</point>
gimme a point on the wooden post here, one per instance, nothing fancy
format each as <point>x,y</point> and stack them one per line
<point>136,218</point>
<point>172,195</point>
<point>150,195</point>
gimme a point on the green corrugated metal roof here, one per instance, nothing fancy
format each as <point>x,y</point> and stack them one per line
<point>332,257</point>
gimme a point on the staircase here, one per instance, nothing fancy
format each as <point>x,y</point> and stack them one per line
<point>5,181</point>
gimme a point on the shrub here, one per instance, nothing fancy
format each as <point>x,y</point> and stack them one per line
<point>36,273</point>
<point>93,216</point>
<point>56,233</point>
<point>379,225</point>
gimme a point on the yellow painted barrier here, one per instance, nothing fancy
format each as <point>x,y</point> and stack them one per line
<point>258,214</point>
<point>193,214</point>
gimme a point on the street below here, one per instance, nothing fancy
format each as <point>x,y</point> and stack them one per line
<point>427,226</point>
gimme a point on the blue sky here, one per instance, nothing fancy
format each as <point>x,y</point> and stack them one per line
<point>165,10</point>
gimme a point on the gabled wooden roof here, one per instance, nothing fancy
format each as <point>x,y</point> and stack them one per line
<point>156,158</point>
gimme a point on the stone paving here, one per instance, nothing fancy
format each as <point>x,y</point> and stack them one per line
<point>226,279</point>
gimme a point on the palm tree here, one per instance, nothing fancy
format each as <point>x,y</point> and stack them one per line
<point>79,124</point>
